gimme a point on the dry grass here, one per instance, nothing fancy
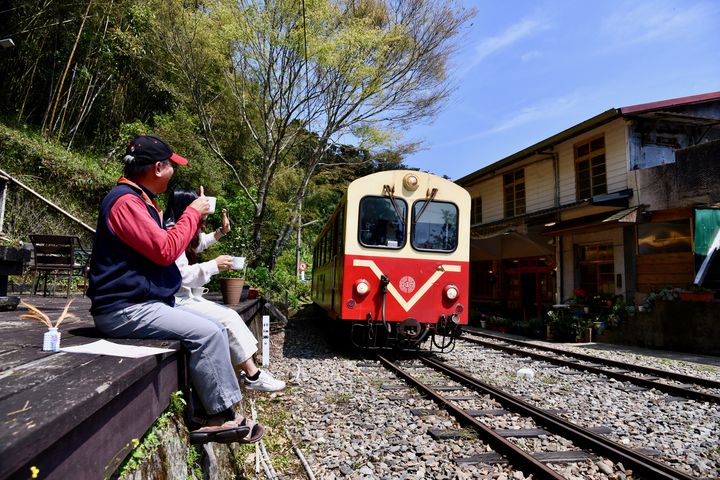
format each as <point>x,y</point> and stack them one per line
<point>39,316</point>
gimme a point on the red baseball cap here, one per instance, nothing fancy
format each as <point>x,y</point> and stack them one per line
<point>151,149</point>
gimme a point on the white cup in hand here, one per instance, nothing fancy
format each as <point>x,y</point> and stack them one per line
<point>238,263</point>
<point>212,201</point>
<point>199,291</point>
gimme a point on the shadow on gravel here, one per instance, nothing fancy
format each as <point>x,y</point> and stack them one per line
<point>309,334</point>
<point>684,356</point>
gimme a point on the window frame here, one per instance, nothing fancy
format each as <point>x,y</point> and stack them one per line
<point>588,158</point>
<point>359,229</point>
<point>476,211</point>
<point>412,229</point>
<point>596,263</point>
<point>515,201</point>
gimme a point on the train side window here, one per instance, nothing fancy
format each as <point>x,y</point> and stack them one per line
<point>435,227</point>
<point>379,223</point>
<point>340,232</point>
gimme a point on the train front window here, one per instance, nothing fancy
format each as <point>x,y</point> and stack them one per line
<point>435,226</point>
<point>380,225</point>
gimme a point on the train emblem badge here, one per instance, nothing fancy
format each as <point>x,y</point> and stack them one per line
<point>407,284</point>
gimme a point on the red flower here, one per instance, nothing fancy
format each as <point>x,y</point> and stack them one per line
<point>579,292</point>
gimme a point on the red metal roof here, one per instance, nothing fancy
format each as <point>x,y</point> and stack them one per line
<point>673,102</point>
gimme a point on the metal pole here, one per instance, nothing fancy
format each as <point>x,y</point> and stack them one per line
<point>297,245</point>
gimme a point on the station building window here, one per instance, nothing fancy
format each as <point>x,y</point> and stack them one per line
<point>597,268</point>
<point>514,193</point>
<point>590,171</point>
<point>476,211</point>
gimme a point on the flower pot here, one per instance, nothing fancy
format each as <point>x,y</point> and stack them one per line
<point>231,289</point>
<point>697,296</point>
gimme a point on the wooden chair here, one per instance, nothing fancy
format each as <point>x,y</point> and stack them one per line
<point>57,255</point>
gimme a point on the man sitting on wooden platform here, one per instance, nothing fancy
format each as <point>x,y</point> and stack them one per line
<point>133,278</point>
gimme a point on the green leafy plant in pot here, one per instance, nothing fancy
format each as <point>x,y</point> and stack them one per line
<point>231,286</point>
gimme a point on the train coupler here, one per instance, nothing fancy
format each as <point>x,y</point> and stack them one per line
<point>409,329</point>
<point>448,325</point>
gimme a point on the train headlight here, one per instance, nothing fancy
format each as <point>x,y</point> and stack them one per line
<point>411,182</point>
<point>362,287</point>
<point>451,292</point>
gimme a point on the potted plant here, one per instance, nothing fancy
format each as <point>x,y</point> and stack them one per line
<point>231,286</point>
<point>536,328</point>
<point>696,293</point>
<point>668,294</point>
<point>502,324</point>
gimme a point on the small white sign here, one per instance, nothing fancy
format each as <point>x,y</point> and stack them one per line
<point>266,340</point>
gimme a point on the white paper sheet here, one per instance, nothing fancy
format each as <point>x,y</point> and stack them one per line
<point>103,347</point>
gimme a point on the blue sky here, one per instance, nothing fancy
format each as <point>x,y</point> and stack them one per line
<point>526,70</point>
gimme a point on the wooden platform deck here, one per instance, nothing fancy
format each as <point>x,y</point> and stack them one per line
<point>75,415</point>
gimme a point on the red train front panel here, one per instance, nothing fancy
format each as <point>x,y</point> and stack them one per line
<point>419,288</point>
<point>404,233</point>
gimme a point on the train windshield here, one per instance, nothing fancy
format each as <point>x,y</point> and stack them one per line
<point>435,226</point>
<point>382,224</point>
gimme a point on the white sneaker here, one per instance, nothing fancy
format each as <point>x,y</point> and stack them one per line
<point>264,383</point>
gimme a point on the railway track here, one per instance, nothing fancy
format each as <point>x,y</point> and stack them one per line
<point>639,375</point>
<point>590,442</point>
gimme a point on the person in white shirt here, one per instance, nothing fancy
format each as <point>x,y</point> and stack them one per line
<point>195,275</point>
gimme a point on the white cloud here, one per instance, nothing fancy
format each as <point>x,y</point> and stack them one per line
<point>646,22</point>
<point>527,56</point>
<point>511,35</point>
<point>550,108</point>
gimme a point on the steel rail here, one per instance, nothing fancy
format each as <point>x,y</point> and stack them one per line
<point>664,387</point>
<point>526,462</point>
<point>581,436</point>
<point>680,377</point>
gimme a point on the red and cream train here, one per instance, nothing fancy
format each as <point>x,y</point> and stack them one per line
<point>391,263</point>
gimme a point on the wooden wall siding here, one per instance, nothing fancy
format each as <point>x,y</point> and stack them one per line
<point>539,190</point>
<point>540,179</point>
<point>664,269</point>
<point>492,195</point>
<point>615,160</point>
<point>616,152</point>
<point>539,186</point>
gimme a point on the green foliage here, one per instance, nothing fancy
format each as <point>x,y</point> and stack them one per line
<point>192,461</point>
<point>279,286</point>
<point>697,288</point>
<point>668,294</point>
<point>566,324</point>
<point>151,441</point>
<point>74,181</point>
<point>240,213</point>
<point>226,84</point>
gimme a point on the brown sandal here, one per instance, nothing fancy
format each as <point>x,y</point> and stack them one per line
<point>255,430</point>
<point>216,430</point>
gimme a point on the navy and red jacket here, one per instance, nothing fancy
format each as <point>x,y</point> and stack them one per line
<point>133,258</point>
